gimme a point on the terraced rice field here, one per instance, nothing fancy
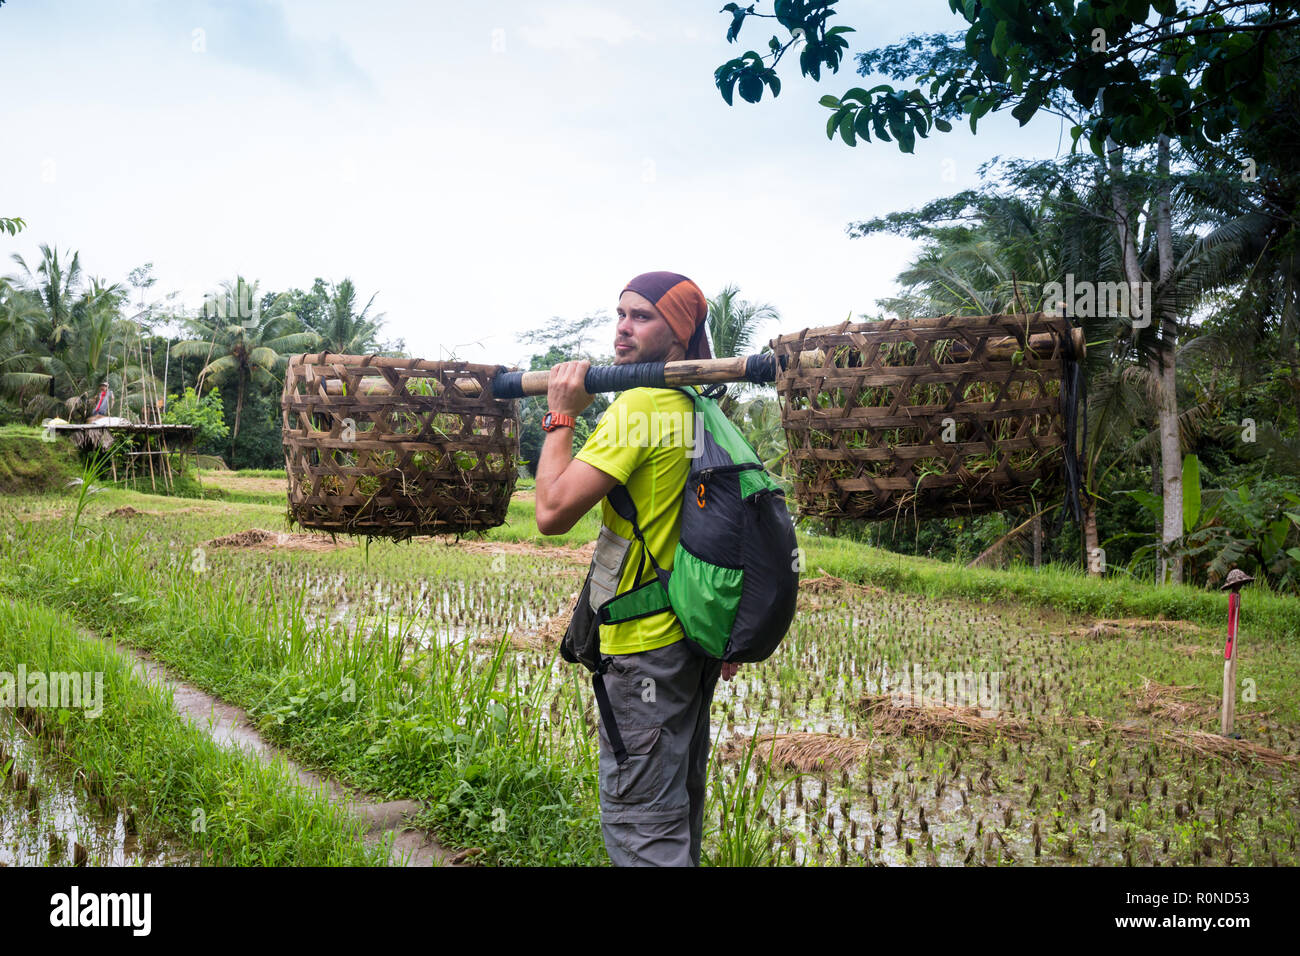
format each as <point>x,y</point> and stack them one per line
<point>1023,734</point>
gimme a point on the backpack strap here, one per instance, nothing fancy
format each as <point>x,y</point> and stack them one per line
<point>622,503</point>
<point>607,712</point>
<point>642,601</point>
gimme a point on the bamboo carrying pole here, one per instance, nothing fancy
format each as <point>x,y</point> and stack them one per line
<point>610,378</point>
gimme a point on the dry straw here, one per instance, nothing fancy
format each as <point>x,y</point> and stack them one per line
<point>1169,702</point>
<point>888,714</point>
<point>910,717</point>
<point>804,752</point>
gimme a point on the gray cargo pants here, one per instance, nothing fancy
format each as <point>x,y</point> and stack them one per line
<point>652,807</point>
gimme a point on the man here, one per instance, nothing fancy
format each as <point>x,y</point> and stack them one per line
<point>652,804</point>
<point>103,403</point>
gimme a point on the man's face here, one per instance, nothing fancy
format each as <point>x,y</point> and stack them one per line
<point>642,334</point>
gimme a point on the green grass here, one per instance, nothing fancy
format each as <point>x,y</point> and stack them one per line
<point>444,727</point>
<point>240,496</point>
<point>521,525</point>
<point>31,465</point>
<point>185,483</point>
<point>258,473</point>
<point>180,785</point>
<point>1067,590</point>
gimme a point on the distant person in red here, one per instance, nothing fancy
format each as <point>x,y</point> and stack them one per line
<point>104,401</point>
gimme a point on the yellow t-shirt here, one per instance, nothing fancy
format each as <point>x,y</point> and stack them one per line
<point>644,440</point>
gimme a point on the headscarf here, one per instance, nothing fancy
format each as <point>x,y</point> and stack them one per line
<point>683,306</point>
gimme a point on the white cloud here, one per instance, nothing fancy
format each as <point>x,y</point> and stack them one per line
<point>258,35</point>
<point>572,27</point>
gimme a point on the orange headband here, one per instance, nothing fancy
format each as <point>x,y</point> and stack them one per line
<point>683,306</point>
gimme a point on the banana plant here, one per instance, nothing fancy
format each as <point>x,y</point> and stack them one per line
<point>1256,529</point>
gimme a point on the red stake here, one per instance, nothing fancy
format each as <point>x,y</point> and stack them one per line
<point>1236,578</point>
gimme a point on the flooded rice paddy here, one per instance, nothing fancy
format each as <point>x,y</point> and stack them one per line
<point>1087,771</point>
<point>889,729</point>
<point>50,816</point>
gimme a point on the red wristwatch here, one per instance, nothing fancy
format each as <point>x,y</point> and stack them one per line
<point>554,420</point>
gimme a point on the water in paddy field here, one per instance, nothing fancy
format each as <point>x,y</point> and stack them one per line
<point>44,815</point>
<point>429,613</point>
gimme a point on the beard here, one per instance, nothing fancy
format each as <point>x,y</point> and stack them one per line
<point>640,353</point>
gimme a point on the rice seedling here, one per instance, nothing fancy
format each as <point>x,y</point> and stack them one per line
<point>91,470</point>
<point>743,835</point>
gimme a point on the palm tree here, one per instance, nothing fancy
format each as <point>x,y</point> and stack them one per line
<point>346,331</point>
<point>760,421</point>
<point>56,288</point>
<point>988,253</point>
<point>734,322</point>
<point>18,366</point>
<point>1259,320</point>
<point>241,343</point>
<point>98,334</point>
<point>67,335</point>
<point>974,275</point>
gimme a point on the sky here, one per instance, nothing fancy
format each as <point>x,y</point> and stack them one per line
<point>481,167</point>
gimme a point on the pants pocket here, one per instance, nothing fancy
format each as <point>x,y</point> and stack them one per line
<point>640,777</point>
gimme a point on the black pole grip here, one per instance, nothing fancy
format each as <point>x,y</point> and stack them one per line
<point>508,385</point>
<point>761,368</point>
<point>620,378</point>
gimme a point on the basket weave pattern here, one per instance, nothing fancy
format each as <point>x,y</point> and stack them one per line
<point>932,417</point>
<point>391,448</point>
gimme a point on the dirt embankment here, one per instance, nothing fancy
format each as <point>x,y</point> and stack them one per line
<point>260,538</point>
<point>234,481</point>
<point>31,465</point>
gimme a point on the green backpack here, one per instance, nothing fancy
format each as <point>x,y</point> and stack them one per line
<point>734,580</point>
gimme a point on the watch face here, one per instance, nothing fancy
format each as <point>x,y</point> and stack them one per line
<point>547,419</point>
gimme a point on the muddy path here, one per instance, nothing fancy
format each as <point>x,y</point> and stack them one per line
<point>229,726</point>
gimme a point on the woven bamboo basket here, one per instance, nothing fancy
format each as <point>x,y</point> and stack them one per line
<point>395,447</point>
<point>930,417</point>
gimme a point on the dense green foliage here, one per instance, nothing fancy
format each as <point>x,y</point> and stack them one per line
<point>206,414</point>
<point>1194,71</point>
